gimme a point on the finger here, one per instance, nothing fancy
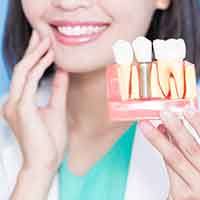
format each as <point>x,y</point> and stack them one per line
<point>34,76</point>
<point>60,88</point>
<point>193,116</point>
<point>4,98</point>
<point>170,197</point>
<point>34,41</point>
<point>177,185</point>
<point>171,154</point>
<point>22,69</point>
<point>185,142</point>
<point>179,189</point>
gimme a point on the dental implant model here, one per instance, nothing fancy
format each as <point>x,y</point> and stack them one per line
<point>139,87</point>
<point>143,53</point>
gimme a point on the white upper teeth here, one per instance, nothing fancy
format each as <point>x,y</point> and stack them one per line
<point>80,30</point>
<point>171,49</point>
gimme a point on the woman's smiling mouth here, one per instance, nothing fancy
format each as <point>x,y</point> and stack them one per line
<point>78,33</point>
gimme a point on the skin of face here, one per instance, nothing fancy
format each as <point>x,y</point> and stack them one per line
<point>126,20</point>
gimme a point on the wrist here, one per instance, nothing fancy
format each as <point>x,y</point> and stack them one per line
<point>33,183</point>
<point>37,171</point>
<point>40,167</point>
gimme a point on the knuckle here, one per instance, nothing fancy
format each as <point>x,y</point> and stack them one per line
<point>33,76</point>
<point>8,110</point>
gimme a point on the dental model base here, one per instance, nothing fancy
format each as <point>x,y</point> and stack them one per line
<point>139,87</point>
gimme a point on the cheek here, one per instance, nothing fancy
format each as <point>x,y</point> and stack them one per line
<point>133,17</point>
<point>33,12</point>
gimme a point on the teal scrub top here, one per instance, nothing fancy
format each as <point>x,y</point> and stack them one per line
<point>106,179</point>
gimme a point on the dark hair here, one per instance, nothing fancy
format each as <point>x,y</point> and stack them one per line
<point>180,20</point>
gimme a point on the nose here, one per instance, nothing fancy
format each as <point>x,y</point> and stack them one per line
<point>70,5</point>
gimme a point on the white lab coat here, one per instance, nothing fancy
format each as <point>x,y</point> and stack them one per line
<point>147,178</point>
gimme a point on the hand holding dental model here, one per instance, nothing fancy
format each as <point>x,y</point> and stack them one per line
<point>160,90</point>
<point>139,88</point>
<point>180,151</point>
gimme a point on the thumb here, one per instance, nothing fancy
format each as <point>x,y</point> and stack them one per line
<point>60,85</point>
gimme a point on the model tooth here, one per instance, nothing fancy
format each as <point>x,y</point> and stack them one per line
<point>159,49</point>
<point>155,87</point>
<point>177,51</point>
<point>173,89</point>
<point>182,49</point>
<point>142,49</point>
<point>123,52</point>
<point>177,70</point>
<point>190,79</point>
<point>162,66</point>
<point>124,58</point>
<point>171,49</point>
<point>170,55</point>
<point>135,86</point>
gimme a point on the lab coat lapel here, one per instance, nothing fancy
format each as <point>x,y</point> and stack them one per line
<point>54,191</point>
<point>12,161</point>
<point>147,177</point>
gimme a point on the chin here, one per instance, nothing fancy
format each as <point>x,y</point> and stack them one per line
<point>77,68</point>
<point>81,65</point>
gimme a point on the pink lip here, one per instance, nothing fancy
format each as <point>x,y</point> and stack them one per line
<point>71,40</point>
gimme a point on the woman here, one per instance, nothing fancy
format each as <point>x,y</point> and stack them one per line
<point>68,131</point>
